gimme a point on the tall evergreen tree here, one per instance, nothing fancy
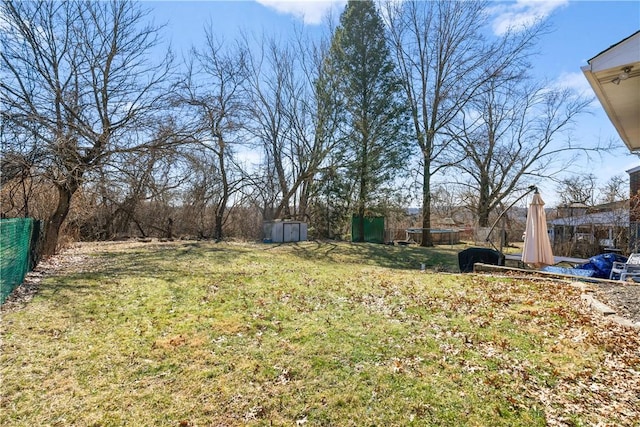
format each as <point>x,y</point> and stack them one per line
<point>375,114</point>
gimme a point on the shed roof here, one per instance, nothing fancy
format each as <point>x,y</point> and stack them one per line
<point>616,218</point>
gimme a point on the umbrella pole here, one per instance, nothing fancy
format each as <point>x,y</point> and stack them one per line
<point>488,239</point>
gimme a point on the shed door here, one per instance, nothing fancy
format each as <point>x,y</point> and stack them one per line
<point>291,232</point>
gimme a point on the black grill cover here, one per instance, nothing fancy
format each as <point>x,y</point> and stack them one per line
<point>470,256</point>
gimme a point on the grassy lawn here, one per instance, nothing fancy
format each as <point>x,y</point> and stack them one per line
<point>312,334</point>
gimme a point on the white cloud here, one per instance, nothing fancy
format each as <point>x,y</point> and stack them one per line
<point>310,11</point>
<point>522,13</point>
<point>576,81</point>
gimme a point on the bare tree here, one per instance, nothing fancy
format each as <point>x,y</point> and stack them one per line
<point>578,189</point>
<point>274,90</point>
<point>215,93</point>
<point>292,115</point>
<point>77,77</point>
<point>585,189</point>
<point>444,61</point>
<point>17,175</point>
<point>615,189</point>
<point>445,202</point>
<point>314,119</point>
<point>511,135</point>
<point>129,182</point>
<point>201,192</point>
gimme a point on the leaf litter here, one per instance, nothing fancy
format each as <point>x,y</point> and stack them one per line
<point>601,393</point>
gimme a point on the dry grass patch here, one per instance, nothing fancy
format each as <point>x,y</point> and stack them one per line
<point>199,334</point>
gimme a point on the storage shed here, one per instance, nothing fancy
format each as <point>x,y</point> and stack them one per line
<point>285,231</point>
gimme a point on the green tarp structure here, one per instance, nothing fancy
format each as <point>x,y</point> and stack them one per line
<point>373,229</point>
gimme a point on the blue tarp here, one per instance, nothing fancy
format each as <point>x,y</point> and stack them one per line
<point>601,264</point>
<point>568,271</point>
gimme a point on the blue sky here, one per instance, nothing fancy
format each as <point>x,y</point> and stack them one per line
<point>581,30</point>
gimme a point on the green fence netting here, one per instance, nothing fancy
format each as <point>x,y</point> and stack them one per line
<point>16,236</point>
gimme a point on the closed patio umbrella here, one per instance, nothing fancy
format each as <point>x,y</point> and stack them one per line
<point>537,247</point>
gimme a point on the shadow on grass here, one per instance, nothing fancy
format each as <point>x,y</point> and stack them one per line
<point>107,271</point>
<point>397,257</point>
<point>162,260</point>
<point>157,260</point>
<point>171,263</point>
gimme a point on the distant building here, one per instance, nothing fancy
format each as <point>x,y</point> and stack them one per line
<point>592,229</point>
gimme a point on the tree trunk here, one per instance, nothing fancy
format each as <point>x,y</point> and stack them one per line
<point>483,216</point>
<point>55,221</point>
<point>304,198</point>
<point>283,208</point>
<point>219,221</point>
<point>224,199</point>
<point>362,203</point>
<point>170,229</point>
<point>360,224</point>
<point>484,202</point>
<point>427,241</point>
<point>362,194</point>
